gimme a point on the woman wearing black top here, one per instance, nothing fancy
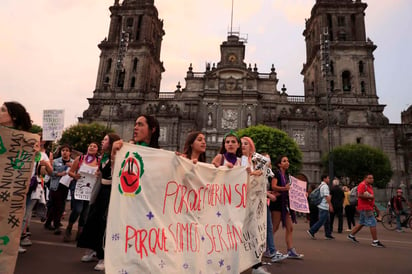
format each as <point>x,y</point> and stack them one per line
<point>94,230</point>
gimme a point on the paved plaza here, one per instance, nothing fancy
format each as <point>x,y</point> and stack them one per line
<point>49,255</point>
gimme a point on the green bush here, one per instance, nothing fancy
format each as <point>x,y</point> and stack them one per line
<point>275,142</point>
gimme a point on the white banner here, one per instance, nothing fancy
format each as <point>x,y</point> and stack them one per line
<point>297,195</point>
<point>53,124</point>
<point>168,215</point>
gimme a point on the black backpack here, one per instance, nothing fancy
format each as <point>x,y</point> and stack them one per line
<point>314,197</point>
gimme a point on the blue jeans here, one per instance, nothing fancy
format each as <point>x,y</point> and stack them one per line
<point>398,219</point>
<point>79,208</point>
<point>323,221</point>
<point>270,243</point>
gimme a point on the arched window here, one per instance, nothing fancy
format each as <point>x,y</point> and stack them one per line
<point>332,68</point>
<point>120,80</point>
<point>135,61</point>
<point>346,85</point>
<point>332,86</point>
<point>361,67</point>
<point>106,80</point>
<point>342,35</point>
<point>363,87</point>
<point>129,22</point>
<point>109,65</point>
<point>133,82</point>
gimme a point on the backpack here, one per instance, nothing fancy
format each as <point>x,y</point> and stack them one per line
<point>353,196</point>
<point>314,197</point>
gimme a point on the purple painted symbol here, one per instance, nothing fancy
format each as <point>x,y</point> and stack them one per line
<point>150,215</point>
<point>218,214</point>
<point>221,262</point>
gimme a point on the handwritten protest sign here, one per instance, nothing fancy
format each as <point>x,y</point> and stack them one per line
<point>53,124</point>
<point>168,215</point>
<point>297,195</point>
<point>84,186</point>
<point>16,164</point>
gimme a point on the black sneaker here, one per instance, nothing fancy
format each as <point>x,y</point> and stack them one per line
<point>377,244</point>
<point>329,237</point>
<point>353,239</point>
<point>49,226</point>
<point>311,235</point>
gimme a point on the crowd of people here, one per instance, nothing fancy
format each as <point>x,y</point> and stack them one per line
<point>63,171</point>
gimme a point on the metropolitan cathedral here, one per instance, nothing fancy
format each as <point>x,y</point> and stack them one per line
<point>339,105</point>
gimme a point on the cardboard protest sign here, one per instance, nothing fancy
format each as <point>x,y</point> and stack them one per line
<point>168,215</point>
<point>16,164</point>
<point>53,124</point>
<point>297,195</point>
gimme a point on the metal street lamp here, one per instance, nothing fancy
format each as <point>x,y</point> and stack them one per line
<point>325,68</point>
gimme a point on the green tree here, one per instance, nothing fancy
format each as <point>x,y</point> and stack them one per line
<point>355,160</point>
<point>36,128</point>
<point>275,142</point>
<point>81,135</point>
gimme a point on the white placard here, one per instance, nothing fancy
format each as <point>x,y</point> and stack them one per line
<point>53,124</point>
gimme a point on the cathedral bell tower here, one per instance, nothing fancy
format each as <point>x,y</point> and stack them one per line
<point>130,68</point>
<point>344,68</point>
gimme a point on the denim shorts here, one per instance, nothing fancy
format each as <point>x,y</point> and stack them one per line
<point>367,218</point>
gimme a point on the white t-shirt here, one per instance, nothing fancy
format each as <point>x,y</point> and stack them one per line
<point>324,192</point>
<point>43,156</point>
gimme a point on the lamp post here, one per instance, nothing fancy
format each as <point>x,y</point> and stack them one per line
<point>325,68</point>
<point>123,44</point>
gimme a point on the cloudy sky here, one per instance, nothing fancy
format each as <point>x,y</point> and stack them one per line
<point>49,55</point>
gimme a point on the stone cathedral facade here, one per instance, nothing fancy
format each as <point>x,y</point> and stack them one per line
<point>230,94</point>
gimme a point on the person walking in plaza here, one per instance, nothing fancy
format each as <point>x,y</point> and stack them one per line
<point>94,230</point>
<point>366,207</point>
<point>280,209</point>
<point>337,197</point>
<point>58,189</point>
<point>313,209</point>
<point>350,210</point>
<point>397,206</point>
<point>324,207</point>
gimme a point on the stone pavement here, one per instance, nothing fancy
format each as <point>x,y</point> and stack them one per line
<point>49,255</point>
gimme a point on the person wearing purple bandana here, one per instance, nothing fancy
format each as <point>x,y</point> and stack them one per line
<point>230,151</point>
<point>280,208</point>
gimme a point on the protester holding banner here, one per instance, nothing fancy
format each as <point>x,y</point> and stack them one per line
<point>280,208</point>
<point>95,227</point>
<point>248,149</point>
<point>17,154</point>
<point>59,188</point>
<point>230,151</point>
<point>14,115</point>
<point>146,133</point>
<point>83,170</point>
<point>195,147</point>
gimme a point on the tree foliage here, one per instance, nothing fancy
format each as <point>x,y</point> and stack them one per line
<point>274,142</point>
<point>355,160</point>
<point>36,128</point>
<point>81,135</point>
